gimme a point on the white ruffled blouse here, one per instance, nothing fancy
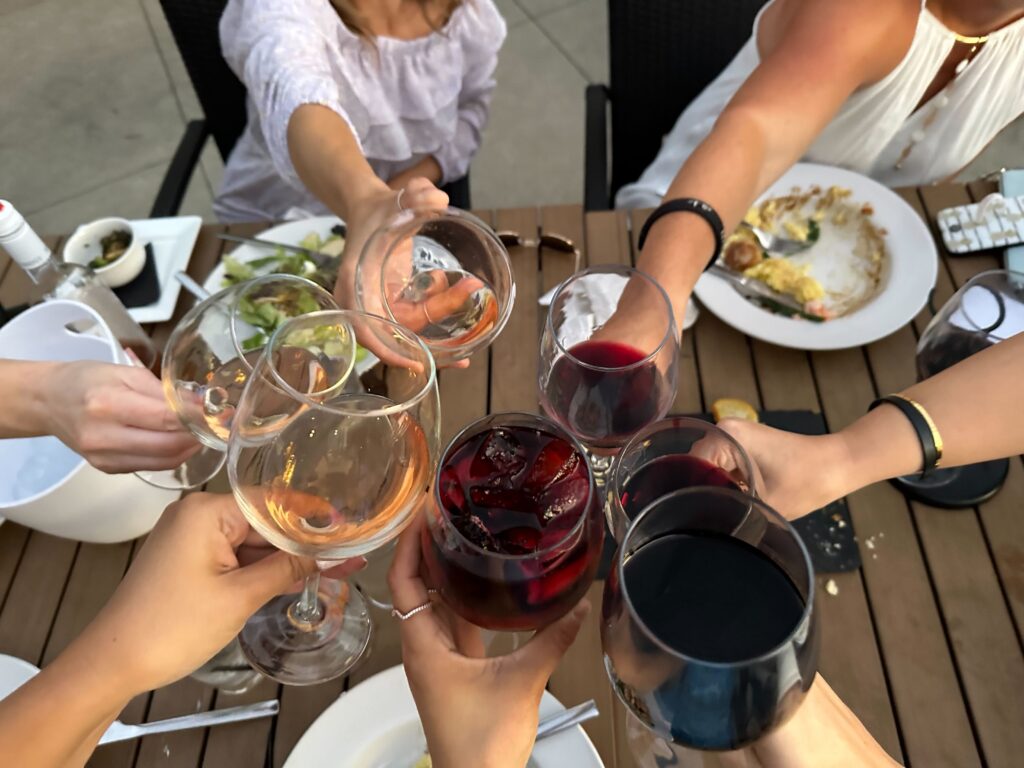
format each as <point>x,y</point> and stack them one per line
<point>404,100</point>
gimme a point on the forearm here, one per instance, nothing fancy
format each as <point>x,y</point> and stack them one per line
<point>89,699</point>
<point>23,385</point>
<point>975,407</point>
<point>328,159</point>
<point>726,172</point>
<point>823,731</point>
<point>427,168</point>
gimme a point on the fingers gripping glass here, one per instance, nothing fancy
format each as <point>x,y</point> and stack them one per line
<point>210,355</point>
<point>442,274</point>
<point>550,240</point>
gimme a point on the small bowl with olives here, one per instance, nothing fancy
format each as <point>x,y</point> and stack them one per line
<point>110,248</point>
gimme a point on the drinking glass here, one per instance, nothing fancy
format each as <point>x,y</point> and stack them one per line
<point>681,658</point>
<point>669,455</point>
<point>514,536</point>
<point>443,274</point>
<point>331,462</point>
<point>604,374</point>
<point>987,309</point>
<point>209,357</point>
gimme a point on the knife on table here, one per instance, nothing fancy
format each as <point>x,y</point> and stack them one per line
<point>322,260</point>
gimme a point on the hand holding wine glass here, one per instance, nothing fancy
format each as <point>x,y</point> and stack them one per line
<point>329,464</point>
<point>475,711</point>
<point>116,416</point>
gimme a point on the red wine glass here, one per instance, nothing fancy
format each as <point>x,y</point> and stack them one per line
<point>608,358</point>
<point>515,535</point>
<point>708,627</point>
<point>669,455</point>
<point>987,309</point>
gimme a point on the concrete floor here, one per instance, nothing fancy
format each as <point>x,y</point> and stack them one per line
<point>96,97</point>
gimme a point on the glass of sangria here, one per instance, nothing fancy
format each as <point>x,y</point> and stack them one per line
<point>330,461</point>
<point>209,356</point>
<point>443,274</point>
<point>708,623</point>
<point>669,455</point>
<point>514,538</point>
<point>605,374</point>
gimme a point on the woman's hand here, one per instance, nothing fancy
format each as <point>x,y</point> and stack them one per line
<point>799,473</point>
<point>432,302</point>
<point>183,599</point>
<point>476,712</point>
<point>116,416</point>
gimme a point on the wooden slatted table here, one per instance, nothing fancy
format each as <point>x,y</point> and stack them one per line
<point>923,642</point>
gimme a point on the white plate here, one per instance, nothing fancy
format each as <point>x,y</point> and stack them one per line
<point>375,725</point>
<point>14,673</point>
<point>173,239</point>
<point>289,234</point>
<point>907,278</point>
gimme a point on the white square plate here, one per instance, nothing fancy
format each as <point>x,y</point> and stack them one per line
<point>173,239</point>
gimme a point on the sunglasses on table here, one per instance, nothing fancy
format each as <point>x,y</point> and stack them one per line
<point>550,240</point>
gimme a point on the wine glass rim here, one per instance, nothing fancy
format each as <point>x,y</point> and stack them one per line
<point>237,288</point>
<point>431,370</point>
<point>544,424</point>
<point>981,280</point>
<point>670,330</point>
<point>674,422</point>
<point>408,218</point>
<point>619,565</point>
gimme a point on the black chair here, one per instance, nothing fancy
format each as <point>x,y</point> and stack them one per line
<point>222,98</point>
<point>663,53</point>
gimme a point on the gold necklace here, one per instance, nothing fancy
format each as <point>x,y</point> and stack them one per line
<point>941,99</point>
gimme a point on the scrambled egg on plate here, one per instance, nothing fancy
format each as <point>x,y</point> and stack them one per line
<point>842,268</point>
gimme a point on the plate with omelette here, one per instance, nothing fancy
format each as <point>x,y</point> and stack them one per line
<point>868,270</point>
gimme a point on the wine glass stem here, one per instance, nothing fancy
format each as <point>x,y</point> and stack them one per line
<point>306,611</point>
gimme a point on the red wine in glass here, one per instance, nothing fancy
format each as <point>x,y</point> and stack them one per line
<point>707,621</point>
<point>665,474</point>
<point>516,538</point>
<point>604,391</point>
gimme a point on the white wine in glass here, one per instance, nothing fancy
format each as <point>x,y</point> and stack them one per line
<point>330,461</point>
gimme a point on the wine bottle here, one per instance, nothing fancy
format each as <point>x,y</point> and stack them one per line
<point>61,280</point>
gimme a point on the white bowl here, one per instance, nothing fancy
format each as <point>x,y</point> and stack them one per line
<point>44,484</point>
<point>84,245</point>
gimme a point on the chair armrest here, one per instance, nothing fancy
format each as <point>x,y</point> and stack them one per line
<point>172,188</point>
<point>596,192</point>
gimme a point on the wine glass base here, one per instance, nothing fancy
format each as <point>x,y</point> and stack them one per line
<point>295,653</point>
<point>957,487</point>
<point>197,470</point>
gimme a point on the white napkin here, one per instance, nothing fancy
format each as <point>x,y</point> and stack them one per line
<point>605,299</point>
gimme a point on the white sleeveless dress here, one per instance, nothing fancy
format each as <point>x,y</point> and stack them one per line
<point>878,122</point>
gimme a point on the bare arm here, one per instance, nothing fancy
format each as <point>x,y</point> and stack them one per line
<point>823,731</point>
<point>974,404</point>
<point>815,53</point>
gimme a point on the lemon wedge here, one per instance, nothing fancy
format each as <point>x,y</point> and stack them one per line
<point>733,408</point>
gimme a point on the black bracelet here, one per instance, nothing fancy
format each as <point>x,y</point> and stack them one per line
<point>690,205</point>
<point>927,434</point>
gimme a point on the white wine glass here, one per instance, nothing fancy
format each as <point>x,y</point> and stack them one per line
<point>330,461</point>
<point>209,357</point>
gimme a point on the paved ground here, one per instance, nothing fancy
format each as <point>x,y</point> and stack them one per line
<point>95,99</point>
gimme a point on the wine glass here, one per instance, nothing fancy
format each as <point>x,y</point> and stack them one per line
<point>330,461</point>
<point>514,537</point>
<point>443,274</point>
<point>987,309</point>
<point>708,627</point>
<point>606,373</point>
<point>669,455</point>
<point>209,357</point>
